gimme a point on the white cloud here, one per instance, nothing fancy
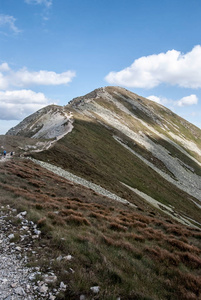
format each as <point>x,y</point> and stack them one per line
<point>9,21</point>
<point>161,100</point>
<point>25,78</point>
<point>3,82</point>
<point>188,100</point>
<point>185,101</point>
<point>16,105</point>
<point>155,99</point>
<point>47,3</point>
<point>4,67</point>
<point>171,67</point>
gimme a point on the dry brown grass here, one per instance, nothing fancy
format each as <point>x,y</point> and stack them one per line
<point>138,224</point>
<point>190,260</point>
<point>42,222</point>
<point>68,212</point>
<point>183,246</point>
<point>152,234</point>
<point>77,220</point>
<point>117,226</point>
<point>135,237</point>
<point>56,220</point>
<point>163,255</point>
<point>177,230</point>
<point>97,216</point>
<point>107,239</point>
<point>188,285</point>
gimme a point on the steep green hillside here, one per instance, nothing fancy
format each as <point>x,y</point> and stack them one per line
<point>91,152</point>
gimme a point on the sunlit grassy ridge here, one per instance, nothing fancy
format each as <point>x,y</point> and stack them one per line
<point>162,114</point>
<point>134,254</point>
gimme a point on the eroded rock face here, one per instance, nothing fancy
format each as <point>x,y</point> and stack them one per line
<point>50,122</point>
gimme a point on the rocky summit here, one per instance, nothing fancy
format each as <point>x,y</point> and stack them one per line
<point>114,179</point>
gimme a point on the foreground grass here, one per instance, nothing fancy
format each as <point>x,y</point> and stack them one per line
<point>129,253</point>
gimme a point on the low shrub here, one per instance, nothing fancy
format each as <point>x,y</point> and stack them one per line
<point>163,255</point>
<point>190,260</point>
<point>77,220</point>
<point>56,220</point>
<point>68,212</point>
<point>183,246</point>
<point>117,226</point>
<point>135,237</point>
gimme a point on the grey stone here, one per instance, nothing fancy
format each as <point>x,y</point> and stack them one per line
<point>11,236</point>
<point>23,213</point>
<point>62,286</point>
<point>59,258</point>
<point>20,291</point>
<point>68,257</point>
<point>50,278</point>
<point>95,289</point>
<point>43,289</point>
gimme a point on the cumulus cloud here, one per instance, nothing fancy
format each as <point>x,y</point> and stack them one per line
<point>172,68</point>
<point>47,3</point>
<point>9,22</point>
<point>185,101</point>
<point>3,82</point>
<point>16,105</point>
<point>24,78</point>
<point>189,100</point>
<point>161,100</point>
<point>155,99</point>
<point>4,67</point>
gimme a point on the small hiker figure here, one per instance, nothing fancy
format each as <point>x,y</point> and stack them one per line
<point>4,153</point>
<point>11,154</point>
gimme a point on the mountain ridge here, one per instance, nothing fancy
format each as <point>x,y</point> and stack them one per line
<point>155,136</point>
<point>119,191</point>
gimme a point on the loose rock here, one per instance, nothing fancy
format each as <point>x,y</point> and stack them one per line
<point>17,282</point>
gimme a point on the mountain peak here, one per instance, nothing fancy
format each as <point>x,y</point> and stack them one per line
<point>165,139</point>
<point>131,175</point>
<point>49,122</point>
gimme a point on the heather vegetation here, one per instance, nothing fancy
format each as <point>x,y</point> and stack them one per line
<point>135,149</point>
<point>129,253</point>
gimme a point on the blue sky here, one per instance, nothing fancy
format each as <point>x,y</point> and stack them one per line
<point>54,50</point>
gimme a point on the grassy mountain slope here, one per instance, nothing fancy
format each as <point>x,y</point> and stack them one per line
<point>104,161</point>
<point>136,149</point>
<point>119,137</point>
<point>128,253</point>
